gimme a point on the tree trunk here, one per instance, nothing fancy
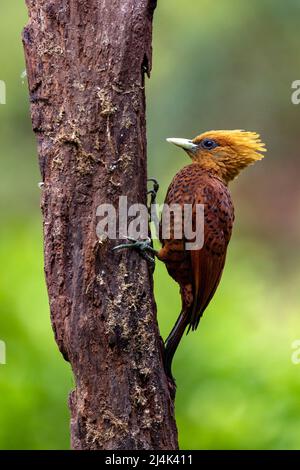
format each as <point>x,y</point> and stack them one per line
<point>86,63</point>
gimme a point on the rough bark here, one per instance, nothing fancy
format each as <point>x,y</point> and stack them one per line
<point>86,62</point>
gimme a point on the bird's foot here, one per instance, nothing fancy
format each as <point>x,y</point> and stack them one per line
<point>152,210</point>
<point>144,247</point>
<point>153,191</point>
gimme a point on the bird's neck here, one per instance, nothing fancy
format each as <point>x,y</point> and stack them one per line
<point>213,170</point>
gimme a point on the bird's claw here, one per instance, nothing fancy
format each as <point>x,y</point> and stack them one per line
<point>142,246</point>
<point>154,190</point>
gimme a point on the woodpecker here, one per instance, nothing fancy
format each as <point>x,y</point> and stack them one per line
<point>217,158</point>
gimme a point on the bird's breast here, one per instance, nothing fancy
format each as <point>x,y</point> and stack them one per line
<point>191,187</point>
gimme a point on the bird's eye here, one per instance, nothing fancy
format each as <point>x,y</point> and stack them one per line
<point>209,144</point>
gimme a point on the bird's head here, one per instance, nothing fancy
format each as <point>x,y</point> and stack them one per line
<point>224,153</point>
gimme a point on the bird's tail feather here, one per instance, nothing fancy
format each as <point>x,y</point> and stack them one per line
<point>174,339</point>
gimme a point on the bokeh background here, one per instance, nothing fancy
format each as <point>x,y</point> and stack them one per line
<point>216,65</point>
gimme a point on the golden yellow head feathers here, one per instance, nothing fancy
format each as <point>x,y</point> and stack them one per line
<point>224,153</point>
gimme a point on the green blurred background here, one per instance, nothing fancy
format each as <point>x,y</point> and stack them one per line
<point>216,65</point>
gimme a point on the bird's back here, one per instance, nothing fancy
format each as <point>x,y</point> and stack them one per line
<point>197,271</point>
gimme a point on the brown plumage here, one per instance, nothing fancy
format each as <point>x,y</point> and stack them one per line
<point>218,157</point>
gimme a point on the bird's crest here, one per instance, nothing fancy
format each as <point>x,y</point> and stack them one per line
<point>248,144</point>
<point>233,151</point>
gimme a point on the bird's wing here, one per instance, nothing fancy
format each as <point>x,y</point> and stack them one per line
<point>208,263</point>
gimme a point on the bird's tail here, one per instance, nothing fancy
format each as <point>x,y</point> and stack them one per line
<point>174,339</point>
